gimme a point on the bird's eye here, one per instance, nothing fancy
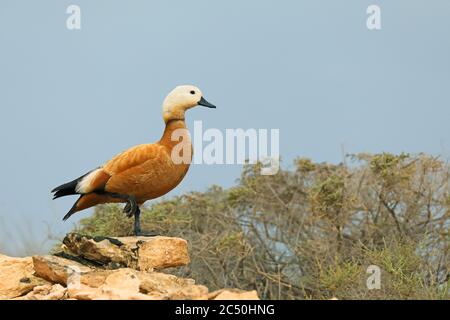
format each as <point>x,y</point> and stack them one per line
<point>192,92</point>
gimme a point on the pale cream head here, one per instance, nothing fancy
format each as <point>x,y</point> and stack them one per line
<point>181,99</point>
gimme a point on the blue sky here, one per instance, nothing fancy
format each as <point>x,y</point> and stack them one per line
<point>70,100</point>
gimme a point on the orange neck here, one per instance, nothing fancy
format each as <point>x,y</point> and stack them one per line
<point>172,125</point>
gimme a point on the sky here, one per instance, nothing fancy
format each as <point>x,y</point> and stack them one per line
<point>72,99</point>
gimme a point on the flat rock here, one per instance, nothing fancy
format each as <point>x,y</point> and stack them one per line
<point>17,277</point>
<point>131,284</point>
<point>122,268</point>
<point>56,269</point>
<point>89,283</point>
<point>140,253</point>
<point>46,292</point>
<point>121,284</point>
<point>231,294</point>
<point>170,286</point>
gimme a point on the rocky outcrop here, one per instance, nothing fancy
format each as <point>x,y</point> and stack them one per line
<point>17,277</point>
<point>46,292</point>
<point>92,268</point>
<point>141,253</point>
<point>231,294</point>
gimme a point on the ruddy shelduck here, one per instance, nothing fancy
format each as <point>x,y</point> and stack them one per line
<point>143,172</point>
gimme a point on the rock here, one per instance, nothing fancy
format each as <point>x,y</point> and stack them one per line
<point>162,252</point>
<point>68,272</point>
<point>107,269</point>
<point>88,293</point>
<point>94,278</point>
<point>16,277</point>
<point>122,284</point>
<point>90,284</point>
<point>46,292</point>
<point>56,269</point>
<point>141,253</point>
<point>137,285</point>
<point>82,292</point>
<point>170,286</point>
<point>232,294</point>
<point>123,280</point>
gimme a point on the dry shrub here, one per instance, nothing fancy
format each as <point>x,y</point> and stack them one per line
<point>312,231</point>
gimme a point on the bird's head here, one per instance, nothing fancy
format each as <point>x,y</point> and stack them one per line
<point>181,99</point>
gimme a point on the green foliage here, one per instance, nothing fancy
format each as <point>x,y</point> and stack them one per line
<point>328,195</point>
<point>339,278</point>
<point>311,232</point>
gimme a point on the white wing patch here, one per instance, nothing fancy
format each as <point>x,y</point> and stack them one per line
<point>84,186</point>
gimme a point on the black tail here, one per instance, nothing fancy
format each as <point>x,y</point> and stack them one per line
<point>72,210</point>
<point>67,189</point>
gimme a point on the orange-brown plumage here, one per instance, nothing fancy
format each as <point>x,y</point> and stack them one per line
<point>145,171</point>
<point>142,172</point>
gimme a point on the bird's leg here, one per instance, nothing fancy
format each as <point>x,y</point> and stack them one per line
<point>131,205</point>
<point>137,225</point>
<point>137,222</point>
<point>132,208</point>
<point>127,210</point>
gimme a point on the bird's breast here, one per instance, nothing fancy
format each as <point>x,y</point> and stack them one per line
<point>155,178</point>
<point>156,168</point>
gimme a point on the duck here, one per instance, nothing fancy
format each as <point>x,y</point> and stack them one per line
<point>145,171</point>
